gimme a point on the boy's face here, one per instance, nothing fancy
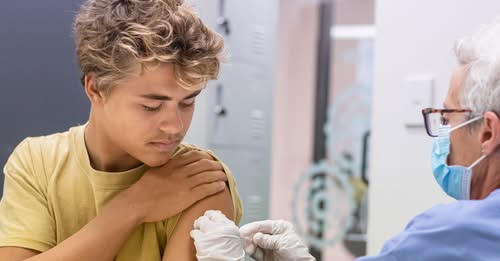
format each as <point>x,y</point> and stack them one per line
<point>146,116</point>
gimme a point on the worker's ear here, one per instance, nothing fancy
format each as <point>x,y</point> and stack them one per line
<point>490,133</point>
<point>93,93</point>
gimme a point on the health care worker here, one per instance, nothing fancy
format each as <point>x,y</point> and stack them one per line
<point>465,163</point>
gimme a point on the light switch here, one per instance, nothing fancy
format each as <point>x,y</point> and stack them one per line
<point>419,91</point>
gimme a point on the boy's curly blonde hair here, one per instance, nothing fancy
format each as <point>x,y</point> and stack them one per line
<point>115,37</point>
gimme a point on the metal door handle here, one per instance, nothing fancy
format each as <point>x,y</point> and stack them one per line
<point>219,109</point>
<point>222,20</point>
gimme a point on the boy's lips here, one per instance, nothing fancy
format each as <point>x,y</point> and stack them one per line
<point>165,145</point>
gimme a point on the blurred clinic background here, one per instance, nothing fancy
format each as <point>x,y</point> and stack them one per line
<point>317,112</point>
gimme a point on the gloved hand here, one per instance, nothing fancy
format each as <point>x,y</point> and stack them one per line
<point>216,238</point>
<point>274,240</point>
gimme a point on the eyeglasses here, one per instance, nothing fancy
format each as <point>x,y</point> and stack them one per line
<point>433,119</point>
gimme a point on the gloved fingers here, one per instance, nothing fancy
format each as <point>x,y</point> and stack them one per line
<point>271,242</point>
<point>259,255</point>
<point>207,225</point>
<point>249,246</point>
<point>252,250</point>
<point>217,216</point>
<point>273,227</point>
<point>196,224</point>
<point>213,214</point>
<point>250,229</point>
<point>203,223</point>
<point>281,227</point>
<point>196,234</point>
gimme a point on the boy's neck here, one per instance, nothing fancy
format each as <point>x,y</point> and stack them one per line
<point>103,154</point>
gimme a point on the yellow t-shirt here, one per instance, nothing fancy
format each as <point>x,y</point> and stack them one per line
<point>51,192</point>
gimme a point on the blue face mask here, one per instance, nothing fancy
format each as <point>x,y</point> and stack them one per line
<point>454,180</point>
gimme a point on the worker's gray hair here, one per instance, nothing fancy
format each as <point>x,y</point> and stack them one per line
<point>480,54</point>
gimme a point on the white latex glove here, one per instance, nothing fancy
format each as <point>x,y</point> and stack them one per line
<point>274,240</point>
<point>216,238</point>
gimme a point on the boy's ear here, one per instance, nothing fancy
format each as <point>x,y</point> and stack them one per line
<point>90,86</point>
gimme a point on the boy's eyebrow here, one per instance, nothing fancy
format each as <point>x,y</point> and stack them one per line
<point>153,96</point>
<point>192,95</point>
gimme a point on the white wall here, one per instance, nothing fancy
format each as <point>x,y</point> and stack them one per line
<point>198,133</point>
<point>412,37</point>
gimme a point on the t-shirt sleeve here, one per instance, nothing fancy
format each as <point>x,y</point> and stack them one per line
<point>235,195</point>
<point>25,219</point>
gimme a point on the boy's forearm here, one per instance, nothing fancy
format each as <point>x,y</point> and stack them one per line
<point>102,238</point>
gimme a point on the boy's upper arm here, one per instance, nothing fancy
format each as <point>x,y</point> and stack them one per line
<point>180,245</point>
<point>16,253</point>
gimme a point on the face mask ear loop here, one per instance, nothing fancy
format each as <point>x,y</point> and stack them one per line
<point>477,162</point>
<point>465,123</point>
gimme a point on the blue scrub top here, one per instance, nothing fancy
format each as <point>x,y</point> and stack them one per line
<point>466,230</point>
